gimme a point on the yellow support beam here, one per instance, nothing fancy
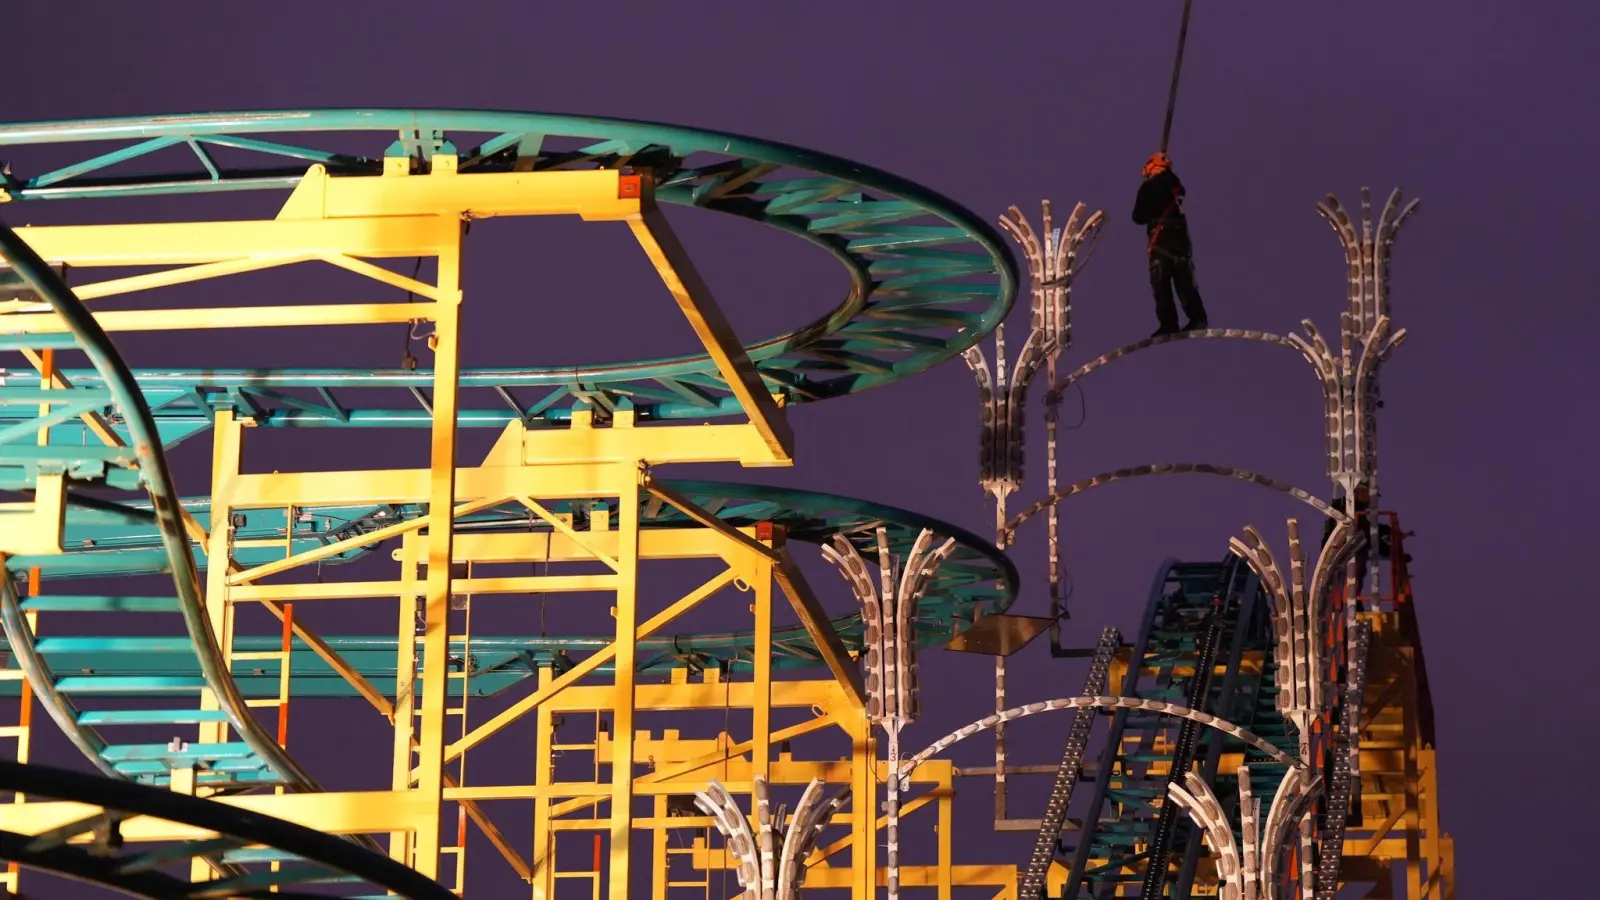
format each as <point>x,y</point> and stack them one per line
<point>826,695</point>
<point>655,444</point>
<point>333,812</point>
<point>817,624</point>
<point>325,551</point>
<point>351,223</point>
<point>693,771</point>
<point>226,317</point>
<point>708,520</point>
<point>613,651</point>
<point>625,652</point>
<point>357,590</point>
<point>198,243</point>
<point>446,343</point>
<point>596,195</point>
<point>45,363</point>
<point>694,298</point>
<point>654,544</point>
<point>33,528</point>
<point>399,486</point>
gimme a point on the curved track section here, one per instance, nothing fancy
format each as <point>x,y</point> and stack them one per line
<point>257,758</point>
<point>928,279</point>
<point>1206,642</point>
<point>307,857</point>
<point>976,578</point>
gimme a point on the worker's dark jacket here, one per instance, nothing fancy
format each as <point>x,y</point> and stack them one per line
<point>1159,208</point>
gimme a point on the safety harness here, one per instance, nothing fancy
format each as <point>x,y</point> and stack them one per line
<point>1161,222</point>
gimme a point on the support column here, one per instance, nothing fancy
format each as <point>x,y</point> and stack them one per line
<point>627,614</point>
<point>761,703</point>
<point>226,457</point>
<point>864,807</point>
<point>660,860</point>
<point>1411,740</point>
<point>544,847</point>
<point>441,502</point>
<point>227,452</point>
<point>946,827</point>
<point>405,685</point>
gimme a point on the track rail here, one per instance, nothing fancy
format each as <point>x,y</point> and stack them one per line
<point>1199,617</point>
<point>975,579</point>
<point>1197,692</point>
<point>1341,766</point>
<point>259,749</point>
<point>928,279</point>
<point>309,857</point>
<point>1070,771</point>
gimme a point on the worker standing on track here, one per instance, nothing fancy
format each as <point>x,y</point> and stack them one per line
<point>1159,207</point>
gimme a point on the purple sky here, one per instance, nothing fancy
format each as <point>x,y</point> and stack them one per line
<point>1482,111</point>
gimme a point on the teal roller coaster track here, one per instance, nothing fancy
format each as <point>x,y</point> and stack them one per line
<point>927,281</point>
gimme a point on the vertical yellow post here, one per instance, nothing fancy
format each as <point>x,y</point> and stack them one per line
<point>227,452</point>
<point>441,502</point>
<point>946,829</point>
<point>1432,845</point>
<point>405,683</point>
<point>1411,739</point>
<point>544,866</point>
<point>226,455</point>
<point>660,861</point>
<point>864,805</point>
<point>11,876</point>
<point>761,703</point>
<point>627,614</point>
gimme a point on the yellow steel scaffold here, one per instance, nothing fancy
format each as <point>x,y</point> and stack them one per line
<point>642,762</point>
<point>349,222</point>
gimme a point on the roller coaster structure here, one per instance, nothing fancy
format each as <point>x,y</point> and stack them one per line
<point>1238,669</point>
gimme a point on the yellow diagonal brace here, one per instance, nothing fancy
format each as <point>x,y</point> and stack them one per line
<point>379,702</point>
<point>517,710</point>
<point>335,662</point>
<point>678,770</point>
<point>815,619</point>
<point>683,280</point>
<point>879,824</point>
<point>361,540</point>
<point>355,679</point>
<point>379,273</point>
<point>687,507</point>
<point>556,523</point>
<point>187,275</point>
<point>96,423</point>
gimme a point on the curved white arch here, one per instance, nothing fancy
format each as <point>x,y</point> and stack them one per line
<point>1304,496</point>
<point>1156,706</point>
<point>1238,334</point>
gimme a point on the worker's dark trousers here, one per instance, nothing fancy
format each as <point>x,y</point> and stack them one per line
<point>1169,273</point>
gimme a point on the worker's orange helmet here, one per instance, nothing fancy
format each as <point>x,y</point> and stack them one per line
<point>1156,164</point>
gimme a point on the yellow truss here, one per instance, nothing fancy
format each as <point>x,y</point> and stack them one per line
<point>347,222</point>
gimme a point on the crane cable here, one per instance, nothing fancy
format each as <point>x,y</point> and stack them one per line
<point>1177,69</point>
